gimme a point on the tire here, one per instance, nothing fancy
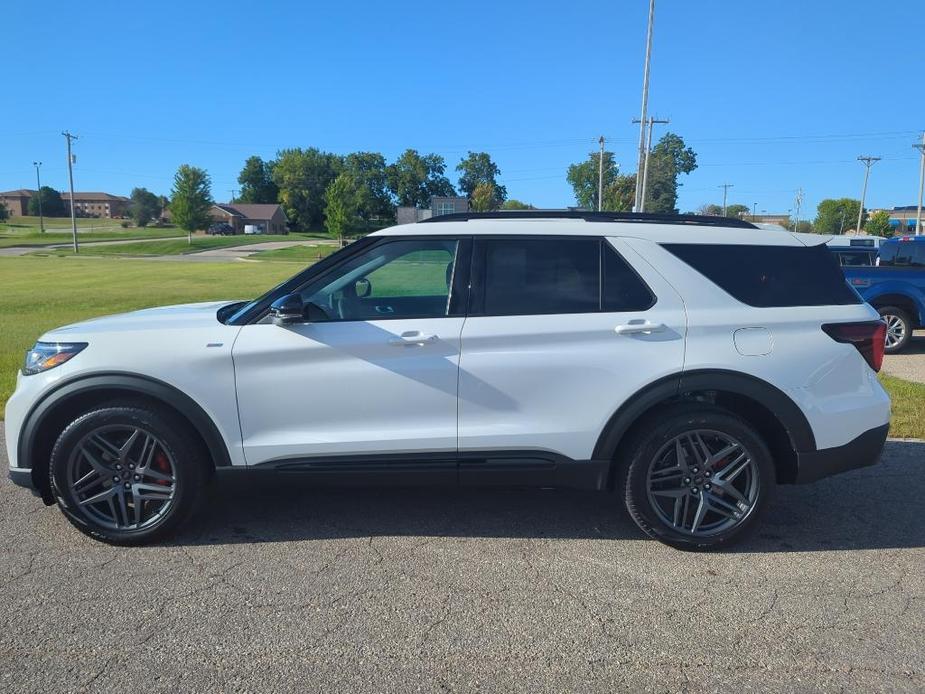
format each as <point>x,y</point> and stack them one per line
<point>140,463</point>
<point>664,498</point>
<point>899,328</point>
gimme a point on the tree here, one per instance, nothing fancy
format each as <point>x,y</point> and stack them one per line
<point>583,178</point>
<point>836,216</point>
<point>710,210</point>
<point>669,159</point>
<point>736,211</point>
<point>620,195</point>
<point>52,203</point>
<point>478,168</point>
<point>340,206</point>
<point>256,179</point>
<point>373,198</point>
<point>191,199</point>
<point>144,207</point>
<point>511,204</point>
<point>484,198</point>
<point>413,179</point>
<point>4,212</point>
<point>878,224</point>
<point>303,176</point>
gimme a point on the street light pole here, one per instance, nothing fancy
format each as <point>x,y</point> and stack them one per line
<point>918,211</point>
<point>637,206</point>
<point>38,194</point>
<point>70,178</point>
<point>868,162</point>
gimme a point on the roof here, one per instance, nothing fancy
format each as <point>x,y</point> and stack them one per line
<point>21,193</point>
<point>659,232</point>
<point>250,210</point>
<point>100,197</point>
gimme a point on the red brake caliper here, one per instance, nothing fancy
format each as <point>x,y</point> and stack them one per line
<point>160,462</point>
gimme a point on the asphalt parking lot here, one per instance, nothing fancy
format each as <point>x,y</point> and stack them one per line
<point>300,589</point>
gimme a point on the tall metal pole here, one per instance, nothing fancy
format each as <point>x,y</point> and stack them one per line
<point>754,211</point>
<point>725,187</point>
<point>918,211</point>
<point>70,178</point>
<point>600,175</point>
<point>38,194</point>
<point>644,170</point>
<point>868,162</point>
<point>637,206</point>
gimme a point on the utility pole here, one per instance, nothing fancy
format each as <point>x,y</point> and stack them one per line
<point>38,194</point>
<point>754,211</point>
<point>918,211</point>
<point>645,162</point>
<point>70,178</point>
<point>637,206</point>
<point>868,162</point>
<point>725,187</point>
<point>600,175</point>
<point>797,204</point>
<point>234,194</point>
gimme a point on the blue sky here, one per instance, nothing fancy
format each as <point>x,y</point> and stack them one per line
<point>773,96</point>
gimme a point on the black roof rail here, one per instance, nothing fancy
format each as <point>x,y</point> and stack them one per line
<point>588,216</point>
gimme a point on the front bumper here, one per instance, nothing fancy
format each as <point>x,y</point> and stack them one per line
<point>861,452</point>
<point>22,477</point>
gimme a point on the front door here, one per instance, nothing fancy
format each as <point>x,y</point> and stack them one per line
<point>370,382</point>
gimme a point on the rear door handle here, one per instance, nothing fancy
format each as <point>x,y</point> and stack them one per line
<point>412,337</point>
<point>640,327</point>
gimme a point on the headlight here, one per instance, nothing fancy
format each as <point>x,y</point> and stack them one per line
<point>48,355</point>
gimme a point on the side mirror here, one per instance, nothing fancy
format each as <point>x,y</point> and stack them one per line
<point>287,309</point>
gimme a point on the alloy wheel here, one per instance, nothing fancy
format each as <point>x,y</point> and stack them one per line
<point>122,477</point>
<point>895,330</point>
<point>702,483</point>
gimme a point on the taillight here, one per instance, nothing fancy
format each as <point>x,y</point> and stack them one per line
<point>869,338</point>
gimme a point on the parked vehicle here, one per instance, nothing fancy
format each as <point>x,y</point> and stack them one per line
<point>220,229</point>
<point>853,251</point>
<point>688,364</point>
<point>895,287</point>
<point>254,229</point>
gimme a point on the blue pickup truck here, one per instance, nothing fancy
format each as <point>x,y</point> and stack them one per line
<point>895,287</point>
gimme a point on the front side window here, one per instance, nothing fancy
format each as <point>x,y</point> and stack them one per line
<point>395,279</point>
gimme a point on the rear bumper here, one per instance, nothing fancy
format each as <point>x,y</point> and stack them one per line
<point>861,452</point>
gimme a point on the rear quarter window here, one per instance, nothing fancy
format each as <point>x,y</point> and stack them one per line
<point>769,276</point>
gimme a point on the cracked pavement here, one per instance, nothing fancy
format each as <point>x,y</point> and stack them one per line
<point>294,588</point>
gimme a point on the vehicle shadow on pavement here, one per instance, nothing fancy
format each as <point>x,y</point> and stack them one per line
<point>874,508</point>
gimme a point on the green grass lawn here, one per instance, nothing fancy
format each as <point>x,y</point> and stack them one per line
<point>297,254</point>
<point>24,231</point>
<point>173,246</point>
<point>908,420</point>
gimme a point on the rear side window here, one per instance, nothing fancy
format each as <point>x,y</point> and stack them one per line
<point>903,253</point>
<point>533,276</point>
<point>765,276</point>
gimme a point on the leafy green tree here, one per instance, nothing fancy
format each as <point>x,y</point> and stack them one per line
<point>144,207</point>
<point>484,198</point>
<point>804,227</point>
<point>478,168</point>
<point>836,216</point>
<point>583,178</point>
<point>669,159</point>
<point>878,224</point>
<point>256,179</point>
<point>736,211</point>
<point>4,212</point>
<point>620,195</point>
<point>368,170</point>
<point>191,199</point>
<point>303,176</point>
<point>52,203</point>
<point>413,179</point>
<point>511,204</point>
<point>710,210</point>
<point>340,206</point>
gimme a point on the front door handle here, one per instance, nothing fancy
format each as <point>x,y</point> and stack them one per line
<point>640,327</point>
<point>412,337</point>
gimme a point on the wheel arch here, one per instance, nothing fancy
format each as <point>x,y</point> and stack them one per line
<point>775,416</point>
<point>903,301</point>
<point>58,407</point>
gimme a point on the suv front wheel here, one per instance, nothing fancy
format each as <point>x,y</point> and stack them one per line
<point>127,474</point>
<point>697,477</point>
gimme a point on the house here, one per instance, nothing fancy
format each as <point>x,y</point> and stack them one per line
<point>97,205</point>
<point>17,201</point>
<point>438,206</point>
<point>902,219</point>
<point>270,217</point>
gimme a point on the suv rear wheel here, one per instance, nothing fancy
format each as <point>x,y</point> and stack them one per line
<point>126,474</point>
<point>898,328</point>
<point>697,477</point>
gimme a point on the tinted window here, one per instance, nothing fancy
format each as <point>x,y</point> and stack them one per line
<point>903,253</point>
<point>771,275</point>
<point>527,276</point>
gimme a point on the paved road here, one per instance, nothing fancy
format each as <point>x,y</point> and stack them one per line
<point>302,590</point>
<point>910,364</point>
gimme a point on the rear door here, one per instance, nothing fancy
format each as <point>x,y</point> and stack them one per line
<point>561,332</point>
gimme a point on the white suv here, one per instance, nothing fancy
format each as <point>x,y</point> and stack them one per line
<point>687,363</point>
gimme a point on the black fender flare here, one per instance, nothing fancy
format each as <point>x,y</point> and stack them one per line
<point>671,387</point>
<point>126,382</point>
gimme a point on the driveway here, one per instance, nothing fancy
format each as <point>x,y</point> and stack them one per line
<point>294,589</point>
<point>910,364</point>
